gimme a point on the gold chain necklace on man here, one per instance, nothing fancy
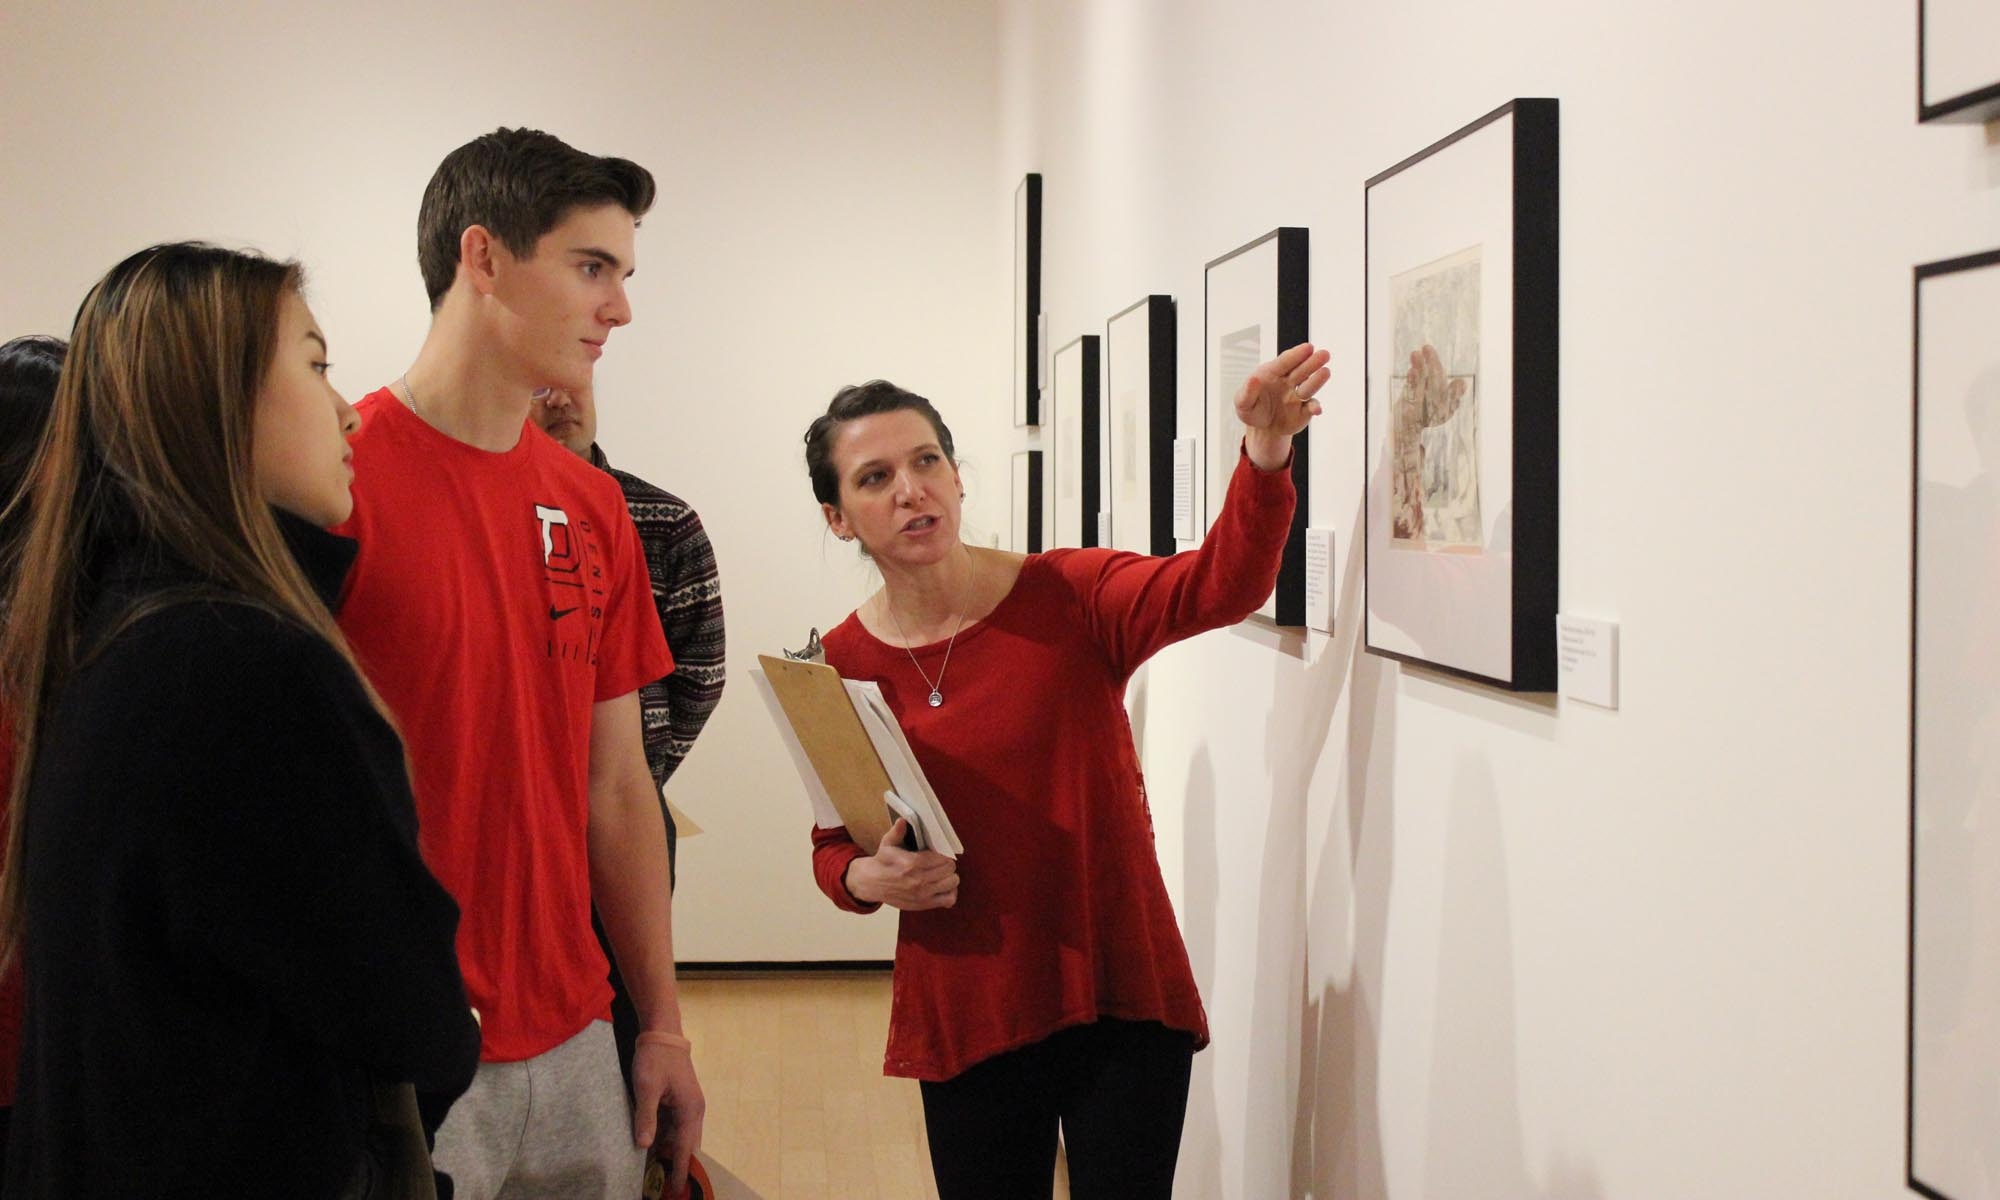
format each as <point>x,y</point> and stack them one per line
<point>937,689</point>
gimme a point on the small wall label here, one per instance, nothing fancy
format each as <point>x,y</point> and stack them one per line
<point>1319,580</point>
<point>1587,659</point>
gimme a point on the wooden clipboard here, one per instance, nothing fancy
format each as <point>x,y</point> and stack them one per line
<point>822,719</point>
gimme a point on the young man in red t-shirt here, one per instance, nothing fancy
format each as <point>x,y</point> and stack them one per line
<point>500,604</point>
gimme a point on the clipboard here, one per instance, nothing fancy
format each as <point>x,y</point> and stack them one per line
<point>851,754</point>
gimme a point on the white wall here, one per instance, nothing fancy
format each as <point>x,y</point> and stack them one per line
<point>1457,944</point>
<point>828,212</point>
<point>1454,944</point>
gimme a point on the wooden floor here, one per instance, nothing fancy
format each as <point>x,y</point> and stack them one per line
<point>798,1107</point>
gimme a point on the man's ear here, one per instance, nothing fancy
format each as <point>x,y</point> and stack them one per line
<point>478,256</point>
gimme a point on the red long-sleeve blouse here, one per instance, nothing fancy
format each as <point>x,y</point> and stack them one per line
<point>1062,915</point>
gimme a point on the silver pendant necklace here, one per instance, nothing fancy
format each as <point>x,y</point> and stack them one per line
<point>937,688</point>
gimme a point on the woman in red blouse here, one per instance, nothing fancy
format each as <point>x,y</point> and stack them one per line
<point>1041,982</point>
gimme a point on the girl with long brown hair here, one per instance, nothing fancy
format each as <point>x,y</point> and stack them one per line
<point>230,940</point>
<point>29,368</point>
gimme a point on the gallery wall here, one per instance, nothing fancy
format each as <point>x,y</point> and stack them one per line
<point>1456,943</point>
<point>1453,943</point>
<point>829,212</point>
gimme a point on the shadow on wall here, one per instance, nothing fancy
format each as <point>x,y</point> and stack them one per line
<point>1474,1120</point>
<point>1476,1147</point>
<point>1295,736</point>
<point>1317,1055</point>
<point>1476,1150</point>
<point>1337,1137</point>
<point>1200,1171</point>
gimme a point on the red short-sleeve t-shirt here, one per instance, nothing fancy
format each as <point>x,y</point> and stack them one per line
<point>496,598</point>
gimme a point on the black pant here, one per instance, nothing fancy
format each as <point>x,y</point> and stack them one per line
<point>1117,1089</point>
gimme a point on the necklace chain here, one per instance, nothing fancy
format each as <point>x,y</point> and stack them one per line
<point>412,394</point>
<point>937,688</point>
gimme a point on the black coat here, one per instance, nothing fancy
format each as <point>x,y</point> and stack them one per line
<point>230,931</point>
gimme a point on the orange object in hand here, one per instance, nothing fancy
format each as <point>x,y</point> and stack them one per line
<point>698,1186</point>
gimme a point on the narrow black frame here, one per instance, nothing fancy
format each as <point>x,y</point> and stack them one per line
<point>1090,405</point>
<point>1974,107</point>
<point>1951,266</point>
<point>1537,276</point>
<point>1031,495</point>
<point>1294,296</point>
<point>1162,415</point>
<point>1028,302</point>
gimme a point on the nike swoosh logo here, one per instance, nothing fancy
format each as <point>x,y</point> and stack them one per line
<point>557,614</point>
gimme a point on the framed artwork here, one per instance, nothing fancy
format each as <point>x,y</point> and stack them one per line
<point>1027,503</point>
<point>1255,307</point>
<point>1958,60</point>
<point>1460,432</point>
<point>1028,301</point>
<point>1138,426</point>
<point>1954,1011</point>
<point>1074,403</point>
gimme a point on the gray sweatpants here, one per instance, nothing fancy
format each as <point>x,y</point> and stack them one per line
<point>558,1125</point>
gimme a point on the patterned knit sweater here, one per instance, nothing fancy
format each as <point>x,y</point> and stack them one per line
<point>688,593</point>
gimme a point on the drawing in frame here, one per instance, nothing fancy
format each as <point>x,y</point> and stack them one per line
<point>1028,301</point>
<point>1026,505</point>
<point>1460,432</point>
<point>1073,408</point>
<point>1140,412</point>
<point>1254,308</point>
<point>1954,934</point>
<point>1958,61</point>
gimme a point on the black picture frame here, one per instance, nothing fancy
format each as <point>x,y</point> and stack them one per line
<point>1025,536</point>
<point>1146,400</point>
<point>1965,100</point>
<point>1028,302</point>
<point>1484,607</point>
<point>1955,398</point>
<point>1075,406</point>
<point>1263,282</point>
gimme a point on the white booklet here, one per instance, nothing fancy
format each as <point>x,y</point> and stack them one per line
<point>843,773</point>
<point>910,794</point>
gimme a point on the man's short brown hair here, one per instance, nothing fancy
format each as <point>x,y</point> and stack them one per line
<point>518,184</point>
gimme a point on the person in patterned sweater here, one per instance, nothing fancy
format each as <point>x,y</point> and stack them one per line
<point>686,590</point>
<point>688,593</point>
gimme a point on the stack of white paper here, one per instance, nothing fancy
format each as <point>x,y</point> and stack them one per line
<point>912,797</point>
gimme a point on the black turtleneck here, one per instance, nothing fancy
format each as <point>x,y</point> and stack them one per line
<point>230,931</point>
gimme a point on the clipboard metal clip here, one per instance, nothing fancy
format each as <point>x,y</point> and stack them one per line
<point>814,652</point>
